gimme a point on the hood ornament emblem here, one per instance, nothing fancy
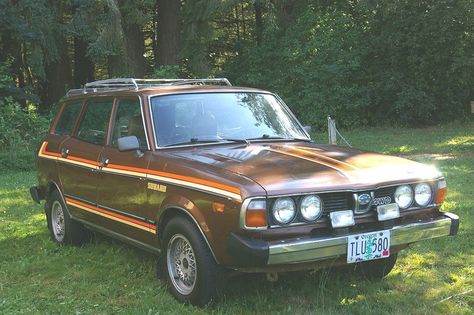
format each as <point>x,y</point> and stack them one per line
<point>364,199</point>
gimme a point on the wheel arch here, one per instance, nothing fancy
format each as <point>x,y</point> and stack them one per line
<point>174,211</point>
<point>51,186</point>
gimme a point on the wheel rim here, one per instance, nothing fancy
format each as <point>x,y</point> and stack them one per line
<point>181,263</point>
<point>57,221</point>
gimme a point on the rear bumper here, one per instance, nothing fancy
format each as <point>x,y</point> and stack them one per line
<point>257,253</point>
<point>36,194</point>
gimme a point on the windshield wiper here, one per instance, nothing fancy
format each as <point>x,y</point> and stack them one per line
<point>193,141</point>
<point>213,140</point>
<point>236,140</point>
<point>265,136</point>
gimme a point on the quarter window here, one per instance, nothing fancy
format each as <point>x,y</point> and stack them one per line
<point>94,125</point>
<point>128,122</point>
<point>68,117</point>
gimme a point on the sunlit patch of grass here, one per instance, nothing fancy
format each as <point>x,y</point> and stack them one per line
<point>458,143</point>
<point>404,149</point>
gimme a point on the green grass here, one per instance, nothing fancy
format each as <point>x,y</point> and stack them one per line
<point>105,276</point>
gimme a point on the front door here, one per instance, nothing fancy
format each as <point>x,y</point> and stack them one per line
<point>122,181</point>
<point>79,163</point>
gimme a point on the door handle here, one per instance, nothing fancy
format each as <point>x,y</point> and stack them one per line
<point>64,152</point>
<point>103,162</point>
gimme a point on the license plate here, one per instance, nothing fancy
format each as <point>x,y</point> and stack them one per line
<point>368,246</point>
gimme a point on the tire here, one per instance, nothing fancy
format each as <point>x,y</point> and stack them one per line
<point>64,230</point>
<point>192,273</point>
<point>376,269</point>
<point>161,267</point>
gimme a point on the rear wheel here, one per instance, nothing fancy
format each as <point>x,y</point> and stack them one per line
<point>376,269</point>
<point>191,271</point>
<point>64,230</point>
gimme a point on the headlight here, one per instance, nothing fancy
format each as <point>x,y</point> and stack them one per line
<point>284,210</point>
<point>423,194</point>
<point>311,207</point>
<point>404,196</point>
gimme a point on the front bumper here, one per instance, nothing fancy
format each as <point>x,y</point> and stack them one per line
<point>257,253</point>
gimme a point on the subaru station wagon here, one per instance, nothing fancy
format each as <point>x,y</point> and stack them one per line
<point>215,178</point>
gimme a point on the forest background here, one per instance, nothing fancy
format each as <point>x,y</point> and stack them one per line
<point>365,62</point>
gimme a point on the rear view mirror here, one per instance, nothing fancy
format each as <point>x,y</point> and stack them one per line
<point>128,143</point>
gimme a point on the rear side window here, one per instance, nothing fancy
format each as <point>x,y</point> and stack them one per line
<point>128,122</point>
<point>68,117</point>
<point>93,128</point>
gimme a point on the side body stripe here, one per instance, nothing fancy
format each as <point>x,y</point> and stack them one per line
<point>111,215</point>
<point>181,180</point>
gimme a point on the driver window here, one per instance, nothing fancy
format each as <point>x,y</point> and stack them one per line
<point>128,122</point>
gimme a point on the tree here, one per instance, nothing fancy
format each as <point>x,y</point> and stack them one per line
<point>168,30</point>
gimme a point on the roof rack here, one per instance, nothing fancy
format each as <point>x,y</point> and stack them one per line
<point>136,84</point>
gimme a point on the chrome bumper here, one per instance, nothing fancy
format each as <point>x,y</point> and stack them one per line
<point>314,249</point>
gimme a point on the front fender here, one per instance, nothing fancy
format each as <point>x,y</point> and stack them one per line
<point>214,225</point>
<point>178,205</point>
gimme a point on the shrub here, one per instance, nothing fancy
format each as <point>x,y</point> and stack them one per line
<point>20,134</point>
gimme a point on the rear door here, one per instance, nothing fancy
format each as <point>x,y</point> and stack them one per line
<point>122,190</point>
<point>61,130</point>
<point>78,167</point>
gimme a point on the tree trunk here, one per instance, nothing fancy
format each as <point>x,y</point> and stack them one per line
<point>237,23</point>
<point>258,22</point>
<point>169,28</point>
<point>116,66</point>
<point>83,66</point>
<point>135,46</point>
<point>20,75</point>
<point>155,37</point>
<point>58,81</point>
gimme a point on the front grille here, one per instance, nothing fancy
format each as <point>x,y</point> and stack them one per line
<point>337,201</point>
<point>384,192</point>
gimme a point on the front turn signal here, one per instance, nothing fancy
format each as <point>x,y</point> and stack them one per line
<point>256,218</point>
<point>256,214</point>
<point>441,192</point>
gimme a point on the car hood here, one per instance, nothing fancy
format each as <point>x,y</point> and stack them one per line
<point>288,168</point>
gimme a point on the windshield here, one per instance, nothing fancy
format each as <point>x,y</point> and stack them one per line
<point>213,117</point>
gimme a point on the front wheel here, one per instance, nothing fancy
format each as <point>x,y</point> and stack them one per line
<point>191,271</point>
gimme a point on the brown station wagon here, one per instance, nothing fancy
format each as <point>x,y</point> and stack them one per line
<point>216,178</point>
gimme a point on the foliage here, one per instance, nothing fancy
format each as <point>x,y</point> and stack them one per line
<point>20,129</point>
<point>166,72</point>
<point>20,134</point>
<point>398,62</point>
<point>108,277</point>
<point>364,62</point>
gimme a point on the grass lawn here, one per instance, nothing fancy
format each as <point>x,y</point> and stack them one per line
<point>105,276</point>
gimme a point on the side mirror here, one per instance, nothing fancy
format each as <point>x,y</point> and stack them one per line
<point>307,129</point>
<point>129,143</point>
